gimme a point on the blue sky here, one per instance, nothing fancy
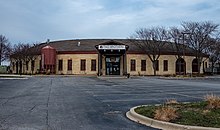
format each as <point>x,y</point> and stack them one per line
<point>37,20</point>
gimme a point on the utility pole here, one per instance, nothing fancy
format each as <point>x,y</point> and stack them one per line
<point>184,68</point>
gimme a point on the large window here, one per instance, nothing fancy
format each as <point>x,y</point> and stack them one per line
<point>206,65</point>
<point>83,65</point>
<point>13,66</point>
<point>157,65</point>
<point>27,65</point>
<point>165,65</point>
<point>40,65</point>
<point>143,65</point>
<point>32,65</point>
<point>69,65</point>
<point>195,66</point>
<point>133,65</point>
<point>93,65</point>
<point>60,65</point>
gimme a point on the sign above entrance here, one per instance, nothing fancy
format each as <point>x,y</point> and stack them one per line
<point>111,47</point>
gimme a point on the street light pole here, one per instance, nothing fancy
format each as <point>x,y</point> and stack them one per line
<point>184,33</point>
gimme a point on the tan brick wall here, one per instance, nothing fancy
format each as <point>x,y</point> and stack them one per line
<point>149,70</point>
<point>76,60</point>
<point>24,68</point>
<point>138,59</point>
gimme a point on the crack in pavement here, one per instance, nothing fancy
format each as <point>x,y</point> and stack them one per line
<point>48,99</point>
<point>14,97</point>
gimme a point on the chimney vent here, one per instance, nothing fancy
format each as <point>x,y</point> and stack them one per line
<point>48,41</point>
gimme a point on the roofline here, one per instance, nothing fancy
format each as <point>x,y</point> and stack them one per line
<point>81,39</point>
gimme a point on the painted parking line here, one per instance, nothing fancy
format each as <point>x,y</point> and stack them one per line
<point>184,95</point>
<point>130,100</point>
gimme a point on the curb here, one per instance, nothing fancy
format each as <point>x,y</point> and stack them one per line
<point>13,78</point>
<point>112,77</point>
<point>132,115</point>
<point>7,76</point>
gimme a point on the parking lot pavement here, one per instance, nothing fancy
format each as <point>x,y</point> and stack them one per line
<point>89,103</point>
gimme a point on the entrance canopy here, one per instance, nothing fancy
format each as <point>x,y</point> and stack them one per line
<point>112,58</point>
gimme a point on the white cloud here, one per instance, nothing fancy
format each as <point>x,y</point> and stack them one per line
<point>37,20</point>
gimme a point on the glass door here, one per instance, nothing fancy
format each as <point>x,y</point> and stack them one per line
<point>112,65</point>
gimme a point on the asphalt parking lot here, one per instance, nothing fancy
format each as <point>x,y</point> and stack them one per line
<point>89,103</point>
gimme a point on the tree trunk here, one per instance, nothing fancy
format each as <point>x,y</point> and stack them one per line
<point>212,67</point>
<point>199,66</point>
<point>154,67</point>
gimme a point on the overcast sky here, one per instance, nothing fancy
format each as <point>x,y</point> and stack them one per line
<point>38,20</point>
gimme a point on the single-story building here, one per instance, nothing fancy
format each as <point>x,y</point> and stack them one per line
<point>105,57</point>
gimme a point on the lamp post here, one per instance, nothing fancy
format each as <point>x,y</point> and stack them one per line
<point>184,33</point>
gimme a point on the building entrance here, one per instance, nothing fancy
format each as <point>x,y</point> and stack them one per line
<point>112,65</point>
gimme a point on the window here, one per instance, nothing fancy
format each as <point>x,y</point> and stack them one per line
<point>93,65</point>
<point>13,65</point>
<point>143,65</point>
<point>83,65</point>
<point>69,65</point>
<point>40,65</point>
<point>32,65</point>
<point>165,65</point>
<point>27,65</point>
<point>157,65</point>
<point>133,65</point>
<point>206,65</point>
<point>60,65</point>
<point>195,66</point>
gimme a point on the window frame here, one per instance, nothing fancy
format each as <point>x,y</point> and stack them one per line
<point>93,64</point>
<point>69,65</point>
<point>83,65</point>
<point>27,65</point>
<point>32,65</point>
<point>143,65</point>
<point>133,65</point>
<point>60,65</point>
<point>165,65</point>
<point>157,65</point>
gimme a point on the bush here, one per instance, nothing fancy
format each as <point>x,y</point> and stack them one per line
<point>166,113</point>
<point>213,101</point>
<point>48,72</point>
<point>171,102</point>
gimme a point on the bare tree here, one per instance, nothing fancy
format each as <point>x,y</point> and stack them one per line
<point>17,56</point>
<point>151,41</point>
<point>24,54</point>
<point>32,54</point>
<point>5,48</point>
<point>214,51</point>
<point>175,35</point>
<point>179,47</point>
<point>199,38</point>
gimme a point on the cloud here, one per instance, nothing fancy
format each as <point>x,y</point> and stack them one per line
<point>37,20</point>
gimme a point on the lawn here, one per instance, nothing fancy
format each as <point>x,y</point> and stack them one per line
<point>194,114</point>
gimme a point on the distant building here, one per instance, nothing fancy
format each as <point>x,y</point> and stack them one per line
<point>105,57</point>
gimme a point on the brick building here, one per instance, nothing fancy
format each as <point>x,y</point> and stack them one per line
<point>105,57</point>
